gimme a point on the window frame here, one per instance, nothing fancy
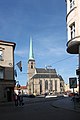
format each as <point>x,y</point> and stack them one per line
<point>72,3</point>
<point>51,85</point>
<point>31,65</point>
<point>46,84</point>
<point>1,54</point>
<point>56,85</point>
<point>72,30</point>
<point>2,72</point>
<point>40,86</point>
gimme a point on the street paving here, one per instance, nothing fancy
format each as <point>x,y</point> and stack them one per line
<point>43,110</point>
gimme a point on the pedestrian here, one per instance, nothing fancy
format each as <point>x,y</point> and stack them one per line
<point>20,98</point>
<point>45,94</point>
<point>16,99</point>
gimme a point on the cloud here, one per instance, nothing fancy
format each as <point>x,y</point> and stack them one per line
<point>49,46</point>
<point>20,52</point>
<point>57,51</point>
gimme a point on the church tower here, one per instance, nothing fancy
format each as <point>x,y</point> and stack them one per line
<point>31,61</point>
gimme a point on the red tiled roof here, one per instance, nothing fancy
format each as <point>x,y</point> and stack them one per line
<point>23,87</point>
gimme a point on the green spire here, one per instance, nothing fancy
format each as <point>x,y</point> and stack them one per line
<point>31,55</point>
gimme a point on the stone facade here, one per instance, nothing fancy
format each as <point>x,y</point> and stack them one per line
<point>73,26</point>
<point>73,29</point>
<point>7,81</point>
<point>43,80</point>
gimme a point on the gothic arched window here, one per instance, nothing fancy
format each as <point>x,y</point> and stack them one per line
<point>51,85</point>
<point>40,86</point>
<point>55,85</point>
<point>46,85</point>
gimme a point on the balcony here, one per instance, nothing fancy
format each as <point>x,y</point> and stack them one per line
<point>73,45</point>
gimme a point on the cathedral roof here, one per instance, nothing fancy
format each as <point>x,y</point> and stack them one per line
<point>42,70</point>
<point>45,76</point>
<point>45,73</point>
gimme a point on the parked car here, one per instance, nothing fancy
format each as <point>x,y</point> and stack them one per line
<point>71,94</point>
<point>31,96</point>
<point>25,95</point>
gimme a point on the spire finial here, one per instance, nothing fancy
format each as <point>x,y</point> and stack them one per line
<point>31,55</point>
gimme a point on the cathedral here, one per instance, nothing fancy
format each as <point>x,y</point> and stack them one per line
<point>42,80</point>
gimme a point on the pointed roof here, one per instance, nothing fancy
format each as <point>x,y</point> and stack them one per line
<point>31,55</point>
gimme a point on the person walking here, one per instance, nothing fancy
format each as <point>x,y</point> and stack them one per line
<point>16,99</point>
<point>20,98</point>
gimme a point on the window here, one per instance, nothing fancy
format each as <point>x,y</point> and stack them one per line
<point>31,65</point>
<point>1,73</point>
<point>46,85</point>
<point>50,85</point>
<point>1,54</point>
<point>40,86</point>
<point>72,30</point>
<point>55,85</point>
<point>72,3</point>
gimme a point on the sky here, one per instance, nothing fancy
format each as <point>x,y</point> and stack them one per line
<point>45,22</point>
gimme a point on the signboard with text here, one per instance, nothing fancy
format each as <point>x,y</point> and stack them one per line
<point>73,82</point>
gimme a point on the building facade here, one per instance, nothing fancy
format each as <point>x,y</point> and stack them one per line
<point>23,90</point>
<point>70,90</point>
<point>7,81</point>
<point>73,26</point>
<point>73,30</point>
<point>42,80</point>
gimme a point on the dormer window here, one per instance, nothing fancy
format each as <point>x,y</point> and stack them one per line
<point>72,3</point>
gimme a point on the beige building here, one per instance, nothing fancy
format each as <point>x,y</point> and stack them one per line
<point>68,89</point>
<point>42,80</point>
<point>22,89</point>
<point>73,30</point>
<point>7,81</point>
<point>73,26</point>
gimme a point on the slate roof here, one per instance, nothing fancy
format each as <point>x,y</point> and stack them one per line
<point>60,77</point>
<point>45,73</point>
<point>42,70</point>
<point>45,76</point>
